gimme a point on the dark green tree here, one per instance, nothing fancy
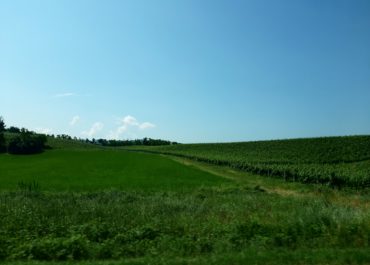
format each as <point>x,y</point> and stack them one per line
<point>13,129</point>
<point>2,124</point>
<point>2,143</point>
<point>27,143</point>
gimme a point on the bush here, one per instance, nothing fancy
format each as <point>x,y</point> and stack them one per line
<point>13,129</point>
<point>27,143</point>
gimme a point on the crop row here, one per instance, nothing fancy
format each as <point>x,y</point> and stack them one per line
<point>335,161</point>
<point>328,150</point>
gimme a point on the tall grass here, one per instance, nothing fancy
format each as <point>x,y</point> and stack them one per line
<point>206,221</point>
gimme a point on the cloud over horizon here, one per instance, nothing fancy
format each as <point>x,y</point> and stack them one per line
<point>74,120</point>
<point>94,130</point>
<point>43,130</point>
<point>125,124</point>
<point>146,125</point>
<point>63,95</point>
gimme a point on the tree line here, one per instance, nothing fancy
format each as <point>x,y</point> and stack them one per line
<point>115,143</point>
<point>145,141</point>
<point>23,142</point>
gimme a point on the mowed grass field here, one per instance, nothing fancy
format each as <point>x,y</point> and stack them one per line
<point>100,169</point>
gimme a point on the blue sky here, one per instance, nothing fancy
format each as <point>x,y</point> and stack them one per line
<point>189,71</point>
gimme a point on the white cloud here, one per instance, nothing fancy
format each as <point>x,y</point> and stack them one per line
<point>117,132</point>
<point>43,130</point>
<point>125,124</point>
<point>96,127</point>
<point>74,120</point>
<point>146,125</point>
<point>130,121</point>
<point>63,95</point>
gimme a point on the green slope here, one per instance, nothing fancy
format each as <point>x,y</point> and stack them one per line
<point>337,161</point>
<point>328,150</point>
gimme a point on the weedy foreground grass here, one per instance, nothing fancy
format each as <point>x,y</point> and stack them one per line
<point>206,223</point>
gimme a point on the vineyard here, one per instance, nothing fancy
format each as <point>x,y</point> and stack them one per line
<point>334,161</point>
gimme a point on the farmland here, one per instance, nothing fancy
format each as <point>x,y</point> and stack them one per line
<point>84,204</point>
<point>336,161</point>
<point>92,169</point>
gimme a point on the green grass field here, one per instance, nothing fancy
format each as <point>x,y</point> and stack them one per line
<point>94,205</point>
<point>92,169</point>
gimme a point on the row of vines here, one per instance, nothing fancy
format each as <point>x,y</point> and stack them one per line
<point>334,161</point>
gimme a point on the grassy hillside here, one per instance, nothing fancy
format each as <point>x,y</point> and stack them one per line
<point>59,143</point>
<point>337,161</point>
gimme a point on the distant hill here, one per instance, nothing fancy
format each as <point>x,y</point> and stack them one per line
<point>336,161</point>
